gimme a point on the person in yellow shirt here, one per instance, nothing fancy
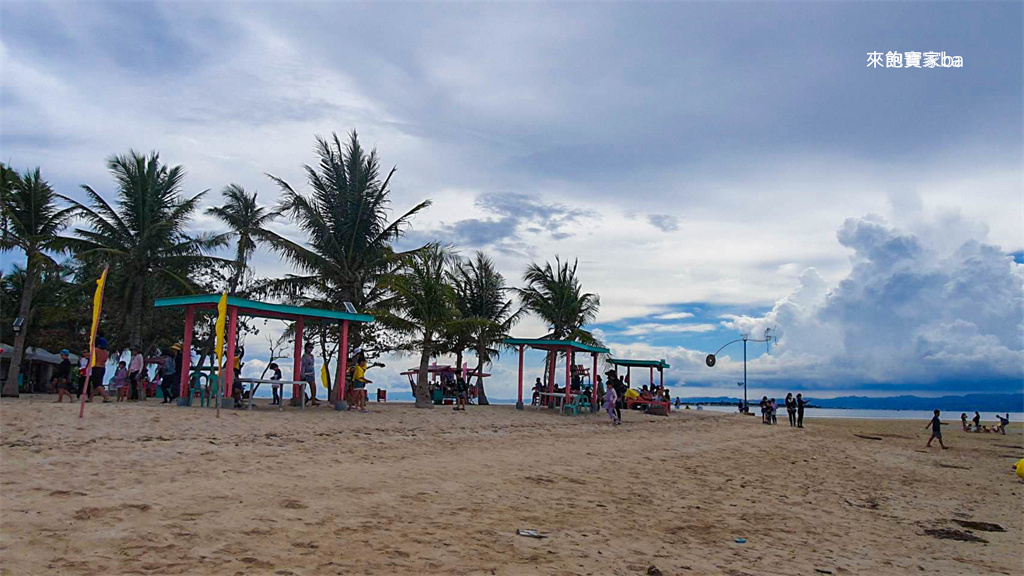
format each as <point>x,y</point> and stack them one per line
<point>359,383</point>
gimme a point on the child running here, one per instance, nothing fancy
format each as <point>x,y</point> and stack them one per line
<point>611,400</point>
<point>936,426</point>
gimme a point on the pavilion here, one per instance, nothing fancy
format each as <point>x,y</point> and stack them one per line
<point>660,365</point>
<point>244,307</point>
<point>569,348</point>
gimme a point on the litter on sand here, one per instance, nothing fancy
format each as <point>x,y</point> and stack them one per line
<point>740,540</point>
<point>529,533</point>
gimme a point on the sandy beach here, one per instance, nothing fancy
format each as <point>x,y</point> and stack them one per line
<point>153,489</point>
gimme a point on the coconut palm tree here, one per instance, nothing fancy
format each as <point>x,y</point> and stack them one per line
<point>422,305</point>
<point>348,256</point>
<point>247,220</point>
<point>555,294</point>
<point>32,223</point>
<point>145,238</point>
<point>481,296</point>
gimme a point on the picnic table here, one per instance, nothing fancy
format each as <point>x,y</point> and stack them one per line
<point>561,395</point>
<point>254,384</point>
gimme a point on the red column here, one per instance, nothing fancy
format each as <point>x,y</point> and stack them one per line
<point>339,389</point>
<point>186,350</point>
<point>551,370</point>
<point>297,372</point>
<point>229,378</point>
<point>568,374</point>
<point>519,404</point>
<point>593,380</point>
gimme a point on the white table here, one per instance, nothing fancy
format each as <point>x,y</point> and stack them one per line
<point>561,395</point>
<point>254,383</point>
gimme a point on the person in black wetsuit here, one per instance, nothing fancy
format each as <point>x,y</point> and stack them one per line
<point>620,391</point>
<point>800,404</point>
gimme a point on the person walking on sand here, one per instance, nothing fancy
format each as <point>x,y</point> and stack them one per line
<point>275,388</point>
<point>62,380</point>
<point>134,373</point>
<point>620,395</point>
<point>764,409</point>
<point>936,426</point>
<point>308,373</point>
<point>977,422</point>
<point>611,401</point>
<point>800,404</point>
<point>775,411</point>
<point>99,370</point>
<point>791,409</point>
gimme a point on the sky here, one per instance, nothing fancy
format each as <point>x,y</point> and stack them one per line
<point>716,168</point>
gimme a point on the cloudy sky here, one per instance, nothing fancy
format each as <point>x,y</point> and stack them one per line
<point>717,169</point>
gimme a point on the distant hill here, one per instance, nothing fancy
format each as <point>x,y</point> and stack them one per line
<point>979,402</point>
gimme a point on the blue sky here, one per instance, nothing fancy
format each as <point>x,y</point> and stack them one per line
<point>716,167</point>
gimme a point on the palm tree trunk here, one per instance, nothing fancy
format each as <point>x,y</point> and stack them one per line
<point>422,391</point>
<point>24,310</point>
<point>140,281</point>
<point>481,396</point>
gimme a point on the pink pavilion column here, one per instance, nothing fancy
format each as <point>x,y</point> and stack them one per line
<point>297,371</point>
<point>593,380</point>
<point>568,375</point>
<point>519,403</point>
<point>652,376</point>
<point>339,388</point>
<point>186,351</point>
<point>229,378</point>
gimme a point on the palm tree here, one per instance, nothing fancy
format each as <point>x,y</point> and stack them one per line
<point>481,290</point>
<point>145,238</point>
<point>348,256</point>
<point>32,222</point>
<point>555,294</point>
<point>247,220</point>
<point>422,305</point>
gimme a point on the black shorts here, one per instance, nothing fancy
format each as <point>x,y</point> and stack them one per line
<point>98,372</point>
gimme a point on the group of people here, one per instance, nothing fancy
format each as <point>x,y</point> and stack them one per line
<point>130,380</point>
<point>794,407</point>
<point>975,424</point>
<point>619,394</point>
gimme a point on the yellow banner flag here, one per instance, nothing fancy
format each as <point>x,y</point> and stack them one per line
<point>97,307</point>
<point>222,313</point>
<point>324,377</point>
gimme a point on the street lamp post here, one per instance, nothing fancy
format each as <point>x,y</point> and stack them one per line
<point>711,358</point>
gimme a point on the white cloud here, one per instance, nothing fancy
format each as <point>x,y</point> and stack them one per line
<point>675,316</point>
<point>651,328</point>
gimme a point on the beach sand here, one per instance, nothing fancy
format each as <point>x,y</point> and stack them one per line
<point>153,489</point>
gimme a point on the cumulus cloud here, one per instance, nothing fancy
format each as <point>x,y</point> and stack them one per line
<point>932,305</point>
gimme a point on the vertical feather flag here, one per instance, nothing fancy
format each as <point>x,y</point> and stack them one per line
<point>97,308</point>
<point>222,313</point>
